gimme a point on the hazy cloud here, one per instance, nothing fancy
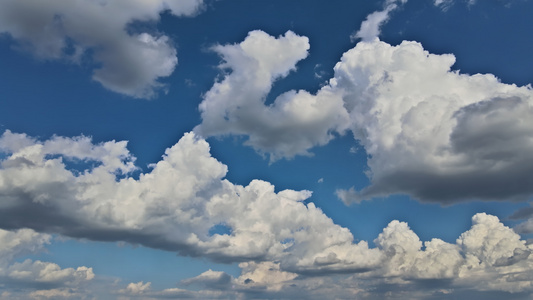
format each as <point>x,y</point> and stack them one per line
<point>130,63</point>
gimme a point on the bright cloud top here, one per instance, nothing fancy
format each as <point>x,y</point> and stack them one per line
<point>14,244</point>
<point>430,132</point>
<point>175,206</point>
<point>130,64</point>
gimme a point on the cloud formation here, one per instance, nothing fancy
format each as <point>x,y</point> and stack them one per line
<point>293,123</point>
<point>16,244</point>
<point>429,132</point>
<point>283,244</point>
<point>173,207</point>
<point>129,62</point>
<point>486,262</point>
<point>371,26</point>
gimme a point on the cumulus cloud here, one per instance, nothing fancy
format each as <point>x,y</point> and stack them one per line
<point>444,5</point>
<point>283,244</point>
<point>295,122</point>
<point>15,244</point>
<point>430,132</point>
<point>173,207</point>
<point>371,26</point>
<point>433,133</point>
<point>129,63</point>
<point>487,258</point>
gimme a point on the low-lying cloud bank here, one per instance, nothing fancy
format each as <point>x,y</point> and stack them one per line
<point>79,189</point>
<point>430,132</point>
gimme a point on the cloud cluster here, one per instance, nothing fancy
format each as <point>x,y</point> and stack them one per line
<point>16,244</point>
<point>80,189</point>
<point>283,244</point>
<point>429,132</point>
<point>488,259</point>
<point>129,62</point>
<point>295,122</point>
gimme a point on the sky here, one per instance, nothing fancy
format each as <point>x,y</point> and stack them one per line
<point>232,149</point>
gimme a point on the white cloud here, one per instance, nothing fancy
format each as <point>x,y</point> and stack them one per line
<point>371,26</point>
<point>185,191</point>
<point>282,240</point>
<point>433,133</point>
<point>55,294</point>
<point>488,258</point>
<point>15,244</point>
<point>295,122</point>
<point>131,64</point>
<point>444,5</point>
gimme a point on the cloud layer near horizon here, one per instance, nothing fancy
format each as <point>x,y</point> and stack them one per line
<point>130,62</point>
<point>429,132</point>
<point>78,189</point>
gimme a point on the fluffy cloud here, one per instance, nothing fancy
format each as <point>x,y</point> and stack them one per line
<point>284,244</point>
<point>173,207</point>
<point>295,122</point>
<point>487,259</point>
<point>433,133</point>
<point>130,63</point>
<point>14,244</point>
<point>371,26</point>
<point>429,132</point>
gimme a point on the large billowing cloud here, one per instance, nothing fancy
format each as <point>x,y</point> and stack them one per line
<point>433,133</point>
<point>429,132</point>
<point>489,261</point>
<point>130,62</point>
<point>295,122</point>
<point>175,207</point>
<point>16,244</point>
<point>371,26</point>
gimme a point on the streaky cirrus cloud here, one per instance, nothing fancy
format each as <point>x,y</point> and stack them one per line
<point>81,189</point>
<point>429,132</point>
<point>128,62</point>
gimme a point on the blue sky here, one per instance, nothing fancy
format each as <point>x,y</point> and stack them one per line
<point>266,149</point>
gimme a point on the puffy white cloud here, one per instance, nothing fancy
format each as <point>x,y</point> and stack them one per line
<point>429,132</point>
<point>20,242</point>
<point>489,258</point>
<point>130,63</point>
<point>284,244</point>
<point>55,294</point>
<point>14,244</point>
<point>371,26</point>
<point>295,122</point>
<point>173,207</point>
<point>433,133</point>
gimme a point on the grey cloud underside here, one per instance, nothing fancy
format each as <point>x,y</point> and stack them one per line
<point>280,241</point>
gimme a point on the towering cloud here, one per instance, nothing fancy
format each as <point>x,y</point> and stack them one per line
<point>430,132</point>
<point>131,62</point>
